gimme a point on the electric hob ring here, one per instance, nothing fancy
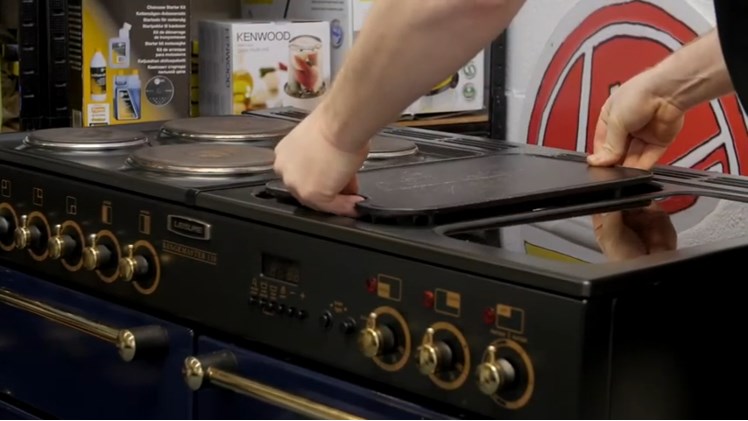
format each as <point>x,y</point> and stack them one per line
<point>204,159</point>
<point>384,147</point>
<point>234,128</point>
<point>85,139</point>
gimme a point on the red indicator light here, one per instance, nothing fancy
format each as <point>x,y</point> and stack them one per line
<point>428,299</point>
<point>371,285</point>
<point>489,316</point>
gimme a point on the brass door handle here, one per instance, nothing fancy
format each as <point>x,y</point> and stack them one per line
<point>215,369</point>
<point>130,343</point>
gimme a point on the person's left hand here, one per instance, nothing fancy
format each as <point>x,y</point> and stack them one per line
<point>624,235</point>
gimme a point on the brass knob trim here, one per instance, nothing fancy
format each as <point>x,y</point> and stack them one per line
<point>91,254</point>
<point>96,255</point>
<point>23,235</point>
<point>59,245</point>
<point>132,266</point>
<point>494,374</point>
<point>432,356</point>
<point>374,340</point>
<point>126,345</point>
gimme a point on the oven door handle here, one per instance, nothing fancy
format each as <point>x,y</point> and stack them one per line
<point>216,370</point>
<point>130,343</point>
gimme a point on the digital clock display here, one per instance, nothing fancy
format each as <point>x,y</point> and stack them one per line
<point>280,269</point>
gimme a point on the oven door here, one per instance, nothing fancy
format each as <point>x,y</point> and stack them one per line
<point>232,383</point>
<point>73,356</point>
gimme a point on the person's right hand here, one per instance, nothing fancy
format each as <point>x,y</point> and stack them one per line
<point>635,126</point>
<point>320,174</point>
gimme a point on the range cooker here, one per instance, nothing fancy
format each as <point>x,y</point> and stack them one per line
<point>483,279</point>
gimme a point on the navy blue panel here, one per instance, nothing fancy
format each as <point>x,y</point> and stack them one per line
<point>214,403</point>
<point>10,412</point>
<point>68,374</point>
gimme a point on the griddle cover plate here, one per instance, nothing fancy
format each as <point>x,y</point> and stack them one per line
<point>483,182</point>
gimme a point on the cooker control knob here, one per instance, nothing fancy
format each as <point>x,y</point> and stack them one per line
<point>60,245</point>
<point>432,357</point>
<point>95,255</point>
<point>5,226</point>
<point>494,374</point>
<point>375,340</point>
<point>26,236</point>
<point>132,266</point>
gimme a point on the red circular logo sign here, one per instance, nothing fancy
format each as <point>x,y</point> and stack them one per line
<point>611,45</point>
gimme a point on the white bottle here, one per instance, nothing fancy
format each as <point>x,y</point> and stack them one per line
<point>119,48</point>
<point>98,77</point>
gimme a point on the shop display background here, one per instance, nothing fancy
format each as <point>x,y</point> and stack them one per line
<point>715,135</point>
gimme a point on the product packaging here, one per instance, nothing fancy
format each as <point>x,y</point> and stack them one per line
<point>250,65</point>
<point>462,91</point>
<point>130,61</point>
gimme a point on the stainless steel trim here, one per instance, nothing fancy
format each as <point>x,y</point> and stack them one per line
<point>231,138</point>
<point>122,339</point>
<point>378,156</point>
<point>71,146</point>
<point>197,171</point>
<point>196,376</point>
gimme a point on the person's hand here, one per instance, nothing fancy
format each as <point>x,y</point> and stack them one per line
<point>635,126</point>
<point>624,235</point>
<point>319,174</point>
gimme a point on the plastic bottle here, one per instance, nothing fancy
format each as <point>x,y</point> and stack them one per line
<point>98,77</point>
<point>119,48</point>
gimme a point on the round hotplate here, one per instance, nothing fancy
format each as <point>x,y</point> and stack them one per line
<point>235,128</point>
<point>204,159</point>
<point>85,139</point>
<point>384,147</point>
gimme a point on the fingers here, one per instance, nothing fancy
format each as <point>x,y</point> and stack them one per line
<point>600,130</point>
<point>613,148</point>
<point>649,157</point>
<point>341,205</point>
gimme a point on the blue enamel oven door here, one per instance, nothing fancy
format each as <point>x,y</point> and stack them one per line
<point>232,383</point>
<point>73,356</point>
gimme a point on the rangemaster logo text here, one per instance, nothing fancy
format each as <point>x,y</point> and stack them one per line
<point>263,36</point>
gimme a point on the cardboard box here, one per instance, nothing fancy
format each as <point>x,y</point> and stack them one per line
<point>344,16</point>
<point>250,65</point>
<point>130,61</point>
<point>463,91</point>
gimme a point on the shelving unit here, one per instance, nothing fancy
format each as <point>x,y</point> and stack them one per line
<point>487,122</point>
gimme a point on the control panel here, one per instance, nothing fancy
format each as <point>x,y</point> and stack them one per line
<point>69,231</point>
<point>476,344</point>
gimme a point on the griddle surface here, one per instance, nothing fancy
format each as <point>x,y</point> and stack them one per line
<point>479,183</point>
